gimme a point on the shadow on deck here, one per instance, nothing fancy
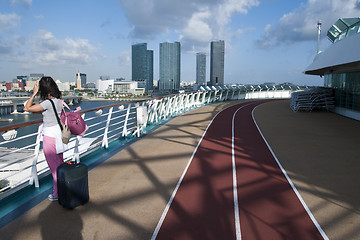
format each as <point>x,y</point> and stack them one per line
<point>131,185</point>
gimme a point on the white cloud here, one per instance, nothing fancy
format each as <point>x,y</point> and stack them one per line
<point>196,22</point>
<point>198,29</point>
<point>48,50</point>
<point>39,17</point>
<point>45,49</point>
<point>25,3</point>
<point>229,7</point>
<point>9,21</point>
<point>301,24</point>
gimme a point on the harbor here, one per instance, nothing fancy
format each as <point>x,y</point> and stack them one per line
<point>15,105</point>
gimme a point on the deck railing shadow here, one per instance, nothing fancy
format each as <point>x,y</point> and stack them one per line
<point>22,161</point>
<point>21,165</point>
<point>158,185</point>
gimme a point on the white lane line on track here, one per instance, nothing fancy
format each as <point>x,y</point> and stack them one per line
<point>323,234</point>
<point>162,218</point>
<point>236,201</point>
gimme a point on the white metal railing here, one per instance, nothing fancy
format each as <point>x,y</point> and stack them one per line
<point>22,160</point>
<point>315,98</point>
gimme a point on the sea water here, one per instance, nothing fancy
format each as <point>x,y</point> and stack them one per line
<point>23,118</point>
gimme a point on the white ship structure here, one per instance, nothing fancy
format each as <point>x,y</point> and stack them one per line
<point>340,66</point>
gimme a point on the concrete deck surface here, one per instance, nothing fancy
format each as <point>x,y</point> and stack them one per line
<point>320,152</point>
<point>128,192</point>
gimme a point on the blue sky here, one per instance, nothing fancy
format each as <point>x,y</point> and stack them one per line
<point>265,40</point>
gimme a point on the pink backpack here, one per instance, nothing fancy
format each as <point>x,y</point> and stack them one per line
<point>74,121</point>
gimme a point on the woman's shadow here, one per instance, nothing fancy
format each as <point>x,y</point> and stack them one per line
<point>59,223</point>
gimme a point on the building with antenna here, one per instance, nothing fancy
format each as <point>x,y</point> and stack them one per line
<point>340,66</point>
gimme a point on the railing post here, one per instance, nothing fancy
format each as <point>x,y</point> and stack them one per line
<point>185,102</point>
<point>125,133</point>
<point>221,94</point>
<point>209,97</point>
<point>34,176</point>
<point>141,119</point>
<point>174,106</point>
<point>203,99</point>
<point>197,101</point>
<point>153,113</point>
<point>215,93</point>
<point>167,108</point>
<point>179,106</point>
<point>192,100</point>
<point>105,142</point>
<point>188,101</point>
<point>162,107</point>
<point>76,156</point>
<point>181,102</point>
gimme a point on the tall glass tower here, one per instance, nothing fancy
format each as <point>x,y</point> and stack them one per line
<point>142,66</point>
<point>170,56</point>
<point>201,69</point>
<point>217,53</point>
<point>150,73</point>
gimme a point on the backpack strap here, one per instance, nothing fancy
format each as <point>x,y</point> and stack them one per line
<point>57,117</point>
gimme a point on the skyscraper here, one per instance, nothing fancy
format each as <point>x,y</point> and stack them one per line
<point>170,56</point>
<point>150,72</point>
<point>142,66</point>
<point>80,80</point>
<point>201,69</point>
<point>217,53</point>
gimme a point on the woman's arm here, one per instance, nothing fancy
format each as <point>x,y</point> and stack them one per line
<point>28,107</point>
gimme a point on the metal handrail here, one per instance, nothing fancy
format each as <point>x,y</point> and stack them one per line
<point>25,165</point>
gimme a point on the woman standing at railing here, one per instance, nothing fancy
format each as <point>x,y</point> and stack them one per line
<point>52,144</point>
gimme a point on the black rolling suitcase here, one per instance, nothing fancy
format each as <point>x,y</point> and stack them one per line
<point>72,183</point>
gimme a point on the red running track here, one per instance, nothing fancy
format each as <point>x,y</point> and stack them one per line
<point>233,188</point>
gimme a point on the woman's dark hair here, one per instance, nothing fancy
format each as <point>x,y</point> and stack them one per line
<point>47,85</point>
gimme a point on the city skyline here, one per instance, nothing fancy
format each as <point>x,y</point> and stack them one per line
<point>266,41</point>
